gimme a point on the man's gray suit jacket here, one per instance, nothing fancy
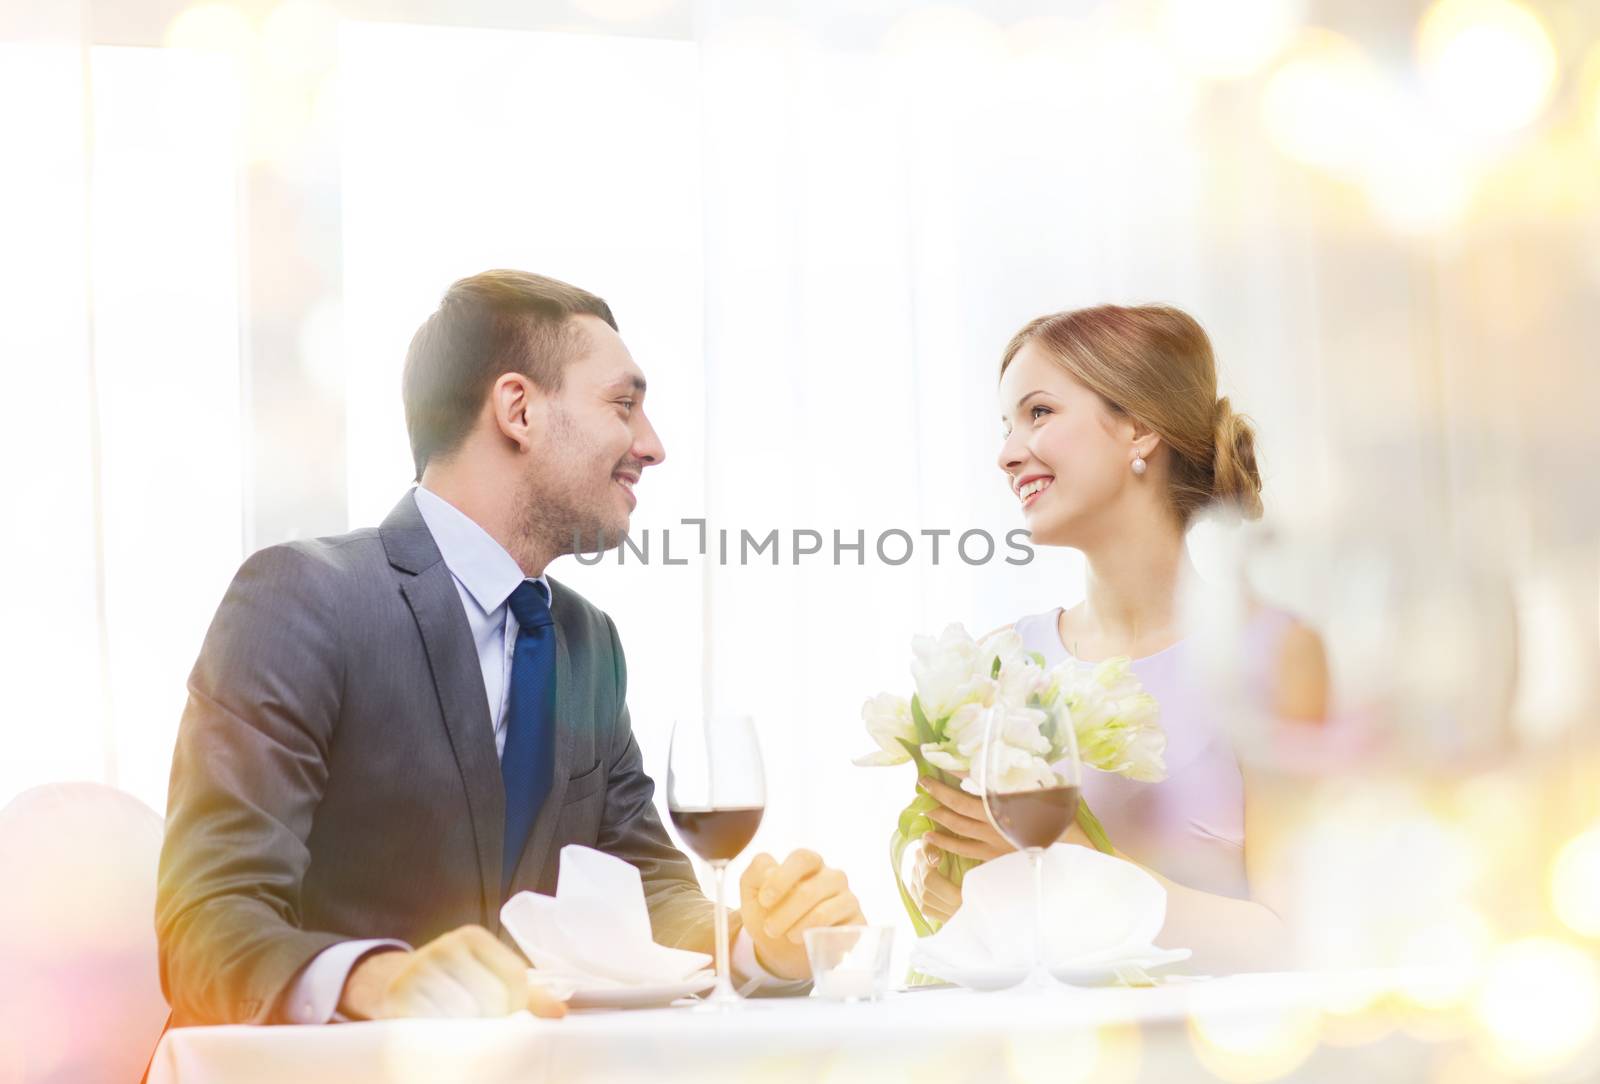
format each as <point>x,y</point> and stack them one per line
<point>335,774</point>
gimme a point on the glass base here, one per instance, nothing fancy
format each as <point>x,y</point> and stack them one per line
<point>1039,979</point>
<point>1040,983</point>
<point>720,1000</point>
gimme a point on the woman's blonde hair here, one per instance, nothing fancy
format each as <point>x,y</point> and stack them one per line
<point>1155,364</point>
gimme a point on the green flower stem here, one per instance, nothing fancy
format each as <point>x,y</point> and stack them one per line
<point>919,922</point>
<point>913,825</point>
<point>1094,829</point>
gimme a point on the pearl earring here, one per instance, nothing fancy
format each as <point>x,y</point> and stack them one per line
<point>1138,464</point>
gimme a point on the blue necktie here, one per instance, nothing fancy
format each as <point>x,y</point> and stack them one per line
<point>530,722</point>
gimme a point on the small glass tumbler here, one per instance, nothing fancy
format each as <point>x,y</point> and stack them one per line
<point>850,963</point>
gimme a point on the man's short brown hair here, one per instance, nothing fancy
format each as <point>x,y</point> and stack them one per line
<point>487,325</point>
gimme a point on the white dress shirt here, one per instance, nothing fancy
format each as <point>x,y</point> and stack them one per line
<point>485,575</point>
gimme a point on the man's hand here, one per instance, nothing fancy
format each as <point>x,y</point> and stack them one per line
<point>466,972</point>
<point>780,902</point>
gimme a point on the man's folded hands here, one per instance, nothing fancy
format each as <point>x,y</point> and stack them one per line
<point>466,972</point>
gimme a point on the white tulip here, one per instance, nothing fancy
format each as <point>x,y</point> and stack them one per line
<point>1009,769</point>
<point>1144,757</point>
<point>941,757</point>
<point>950,671</point>
<point>888,720</point>
<point>1021,727</point>
<point>1006,644</point>
<point>1115,721</point>
<point>964,728</point>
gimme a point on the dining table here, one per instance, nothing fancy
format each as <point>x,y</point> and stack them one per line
<point>1255,1027</point>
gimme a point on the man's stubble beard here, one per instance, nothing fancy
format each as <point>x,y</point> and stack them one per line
<point>558,516</point>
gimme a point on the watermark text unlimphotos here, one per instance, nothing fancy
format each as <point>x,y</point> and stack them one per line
<point>793,546</point>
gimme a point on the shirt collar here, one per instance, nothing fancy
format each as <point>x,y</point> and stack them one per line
<point>482,565</point>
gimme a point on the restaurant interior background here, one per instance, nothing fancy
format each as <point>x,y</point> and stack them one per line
<point>818,223</point>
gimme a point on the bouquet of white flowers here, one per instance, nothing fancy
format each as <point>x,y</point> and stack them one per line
<point>941,729</point>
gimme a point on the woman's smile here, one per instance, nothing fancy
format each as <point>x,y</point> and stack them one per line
<point>1030,487</point>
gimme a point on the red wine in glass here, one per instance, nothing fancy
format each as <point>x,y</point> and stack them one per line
<point>718,835</point>
<point>1034,818</point>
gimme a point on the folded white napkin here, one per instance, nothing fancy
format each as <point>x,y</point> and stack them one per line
<point>1100,912</point>
<point>595,931</point>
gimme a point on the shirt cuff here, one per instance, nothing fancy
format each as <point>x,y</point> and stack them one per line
<point>752,976</point>
<point>314,996</point>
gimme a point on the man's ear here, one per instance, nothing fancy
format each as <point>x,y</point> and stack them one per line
<point>512,403</point>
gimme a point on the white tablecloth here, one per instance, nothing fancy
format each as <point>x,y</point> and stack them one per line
<point>923,1036</point>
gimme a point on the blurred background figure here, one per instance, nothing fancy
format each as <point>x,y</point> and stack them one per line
<point>80,996</point>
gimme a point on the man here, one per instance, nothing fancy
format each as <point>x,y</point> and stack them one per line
<point>390,732</point>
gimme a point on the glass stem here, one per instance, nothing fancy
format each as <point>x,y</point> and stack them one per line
<point>1038,974</point>
<point>724,990</point>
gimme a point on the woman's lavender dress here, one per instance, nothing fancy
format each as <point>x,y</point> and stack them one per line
<point>1190,826</point>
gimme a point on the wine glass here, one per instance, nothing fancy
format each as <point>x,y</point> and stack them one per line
<point>1031,804</point>
<point>716,794</point>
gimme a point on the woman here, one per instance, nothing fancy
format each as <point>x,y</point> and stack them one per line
<point>1114,439</point>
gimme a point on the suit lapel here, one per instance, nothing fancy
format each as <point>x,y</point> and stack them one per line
<point>435,604</point>
<point>537,851</point>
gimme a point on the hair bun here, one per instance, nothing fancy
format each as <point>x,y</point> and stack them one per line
<point>1236,481</point>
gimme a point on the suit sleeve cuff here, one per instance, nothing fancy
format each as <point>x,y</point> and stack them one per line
<point>751,976</point>
<point>313,998</point>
